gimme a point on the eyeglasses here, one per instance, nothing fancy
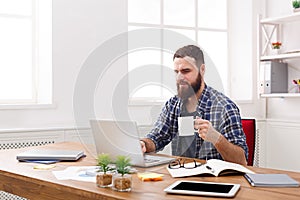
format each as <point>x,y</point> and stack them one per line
<point>184,163</point>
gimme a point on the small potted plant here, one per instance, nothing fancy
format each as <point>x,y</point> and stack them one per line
<point>276,45</point>
<point>296,5</point>
<point>104,176</point>
<point>122,180</point>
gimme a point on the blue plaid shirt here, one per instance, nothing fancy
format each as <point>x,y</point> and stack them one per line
<point>212,106</point>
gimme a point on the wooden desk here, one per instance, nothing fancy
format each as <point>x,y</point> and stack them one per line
<point>21,179</point>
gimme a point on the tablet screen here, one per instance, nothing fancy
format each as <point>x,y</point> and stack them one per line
<point>205,187</point>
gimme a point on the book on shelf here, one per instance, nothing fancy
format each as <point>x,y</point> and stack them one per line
<point>271,180</point>
<point>213,167</point>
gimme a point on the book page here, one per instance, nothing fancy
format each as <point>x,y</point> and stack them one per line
<point>214,167</point>
<point>218,166</point>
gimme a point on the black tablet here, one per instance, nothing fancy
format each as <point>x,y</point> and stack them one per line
<point>203,188</point>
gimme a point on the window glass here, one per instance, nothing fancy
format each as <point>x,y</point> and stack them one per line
<point>215,11</point>
<point>141,73</point>
<point>144,11</point>
<point>151,90</point>
<point>26,51</point>
<point>16,7</point>
<point>143,57</point>
<point>179,12</point>
<point>215,45</point>
<point>16,58</point>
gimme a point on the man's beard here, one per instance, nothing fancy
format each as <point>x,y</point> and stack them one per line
<point>185,93</point>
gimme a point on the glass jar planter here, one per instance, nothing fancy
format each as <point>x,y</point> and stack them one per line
<point>122,183</point>
<point>104,179</point>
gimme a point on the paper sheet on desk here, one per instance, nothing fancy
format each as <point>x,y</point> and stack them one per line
<point>77,173</point>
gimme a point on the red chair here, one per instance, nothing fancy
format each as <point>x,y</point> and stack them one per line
<point>250,130</point>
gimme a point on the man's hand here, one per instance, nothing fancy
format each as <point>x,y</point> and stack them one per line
<point>206,130</point>
<point>143,146</point>
<point>147,145</point>
<point>229,151</point>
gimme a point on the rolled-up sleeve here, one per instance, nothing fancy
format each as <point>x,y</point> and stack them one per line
<point>232,128</point>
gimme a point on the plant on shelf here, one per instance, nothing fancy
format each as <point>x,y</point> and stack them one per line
<point>297,85</point>
<point>296,82</point>
<point>104,177</point>
<point>276,45</point>
<point>296,4</point>
<point>122,180</point>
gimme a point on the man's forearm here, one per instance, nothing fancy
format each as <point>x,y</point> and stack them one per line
<point>150,146</point>
<point>230,152</point>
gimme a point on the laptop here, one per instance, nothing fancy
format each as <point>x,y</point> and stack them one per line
<point>50,155</point>
<point>122,138</point>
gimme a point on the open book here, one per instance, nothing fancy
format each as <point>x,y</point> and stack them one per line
<point>213,166</point>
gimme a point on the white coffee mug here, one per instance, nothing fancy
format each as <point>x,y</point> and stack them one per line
<point>186,126</point>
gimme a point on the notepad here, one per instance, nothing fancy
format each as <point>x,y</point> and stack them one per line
<point>150,176</point>
<point>271,180</point>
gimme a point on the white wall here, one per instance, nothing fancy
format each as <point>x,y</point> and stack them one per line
<point>79,27</point>
<point>279,134</point>
<point>243,56</point>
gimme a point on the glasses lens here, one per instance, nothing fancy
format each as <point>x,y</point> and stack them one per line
<point>174,164</point>
<point>189,164</point>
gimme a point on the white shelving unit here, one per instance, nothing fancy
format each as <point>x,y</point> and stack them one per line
<point>280,56</point>
<point>268,29</point>
<point>282,19</point>
<point>280,95</point>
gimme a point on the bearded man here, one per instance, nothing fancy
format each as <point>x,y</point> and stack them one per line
<point>217,123</point>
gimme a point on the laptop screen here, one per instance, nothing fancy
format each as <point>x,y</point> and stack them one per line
<point>118,138</point>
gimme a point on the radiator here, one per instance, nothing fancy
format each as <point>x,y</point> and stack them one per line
<point>256,150</point>
<point>22,144</point>
<point>9,196</point>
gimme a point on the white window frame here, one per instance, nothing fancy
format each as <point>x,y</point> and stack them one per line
<point>196,29</point>
<point>41,69</point>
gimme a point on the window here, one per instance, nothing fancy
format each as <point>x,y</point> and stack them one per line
<point>202,21</point>
<point>26,51</point>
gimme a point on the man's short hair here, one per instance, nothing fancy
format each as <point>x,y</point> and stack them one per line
<point>191,51</point>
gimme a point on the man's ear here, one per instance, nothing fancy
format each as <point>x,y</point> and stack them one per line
<point>202,70</point>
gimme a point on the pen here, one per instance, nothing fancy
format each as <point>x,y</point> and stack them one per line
<point>209,168</point>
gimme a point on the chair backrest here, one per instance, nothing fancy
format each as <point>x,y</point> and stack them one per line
<point>250,130</point>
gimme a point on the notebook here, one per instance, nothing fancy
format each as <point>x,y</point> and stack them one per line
<point>271,180</point>
<point>122,138</point>
<point>50,155</point>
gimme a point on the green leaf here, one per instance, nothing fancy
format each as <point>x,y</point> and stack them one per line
<point>122,164</point>
<point>296,3</point>
<point>103,161</point>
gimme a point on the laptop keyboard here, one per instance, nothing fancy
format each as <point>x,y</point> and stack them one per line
<point>151,159</point>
